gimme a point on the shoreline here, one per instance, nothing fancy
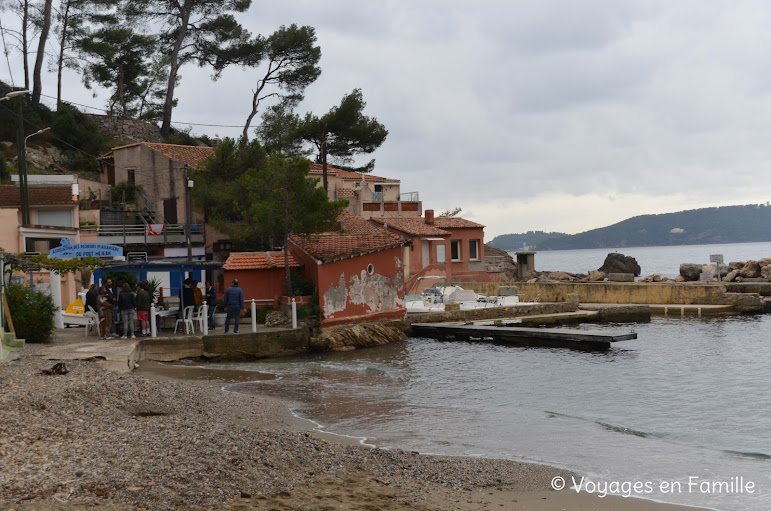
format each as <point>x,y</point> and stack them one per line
<point>94,437</point>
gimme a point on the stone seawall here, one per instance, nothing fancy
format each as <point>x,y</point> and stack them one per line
<point>628,293</point>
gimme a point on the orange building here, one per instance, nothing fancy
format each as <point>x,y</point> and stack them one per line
<point>357,270</point>
<point>261,275</point>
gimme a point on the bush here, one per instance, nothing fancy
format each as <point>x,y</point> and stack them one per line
<point>32,313</point>
<point>79,137</point>
<point>301,286</point>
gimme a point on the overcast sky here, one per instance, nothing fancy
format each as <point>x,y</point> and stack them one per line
<point>555,115</point>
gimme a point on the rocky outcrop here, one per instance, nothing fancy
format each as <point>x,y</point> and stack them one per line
<point>750,270</point>
<point>351,337</point>
<point>619,263</point>
<point>690,272</point>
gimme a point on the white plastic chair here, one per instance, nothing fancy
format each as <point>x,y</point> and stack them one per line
<point>199,318</point>
<point>93,321</point>
<point>187,320</point>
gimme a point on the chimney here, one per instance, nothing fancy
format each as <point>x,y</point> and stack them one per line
<point>430,217</point>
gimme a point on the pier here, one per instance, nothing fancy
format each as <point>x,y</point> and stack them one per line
<point>586,340</point>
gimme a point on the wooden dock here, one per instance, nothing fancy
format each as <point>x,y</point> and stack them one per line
<point>587,340</point>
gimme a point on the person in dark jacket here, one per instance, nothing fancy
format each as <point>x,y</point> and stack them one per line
<point>92,298</point>
<point>188,297</point>
<point>211,302</point>
<point>127,303</point>
<point>234,304</point>
<point>144,300</point>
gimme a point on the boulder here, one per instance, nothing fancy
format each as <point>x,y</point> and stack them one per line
<point>736,265</point>
<point>712,268</point>
<point>764,262</point>
<point>731,277</point>
<point>560,275</point>
<point>619,263</point>
<point>596,276</point>
<point>766,272</point>
<point>652,278</point>
<point>751,270</point>
<point>690,272</point>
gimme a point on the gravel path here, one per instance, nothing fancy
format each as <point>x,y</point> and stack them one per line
<point>121,441</point>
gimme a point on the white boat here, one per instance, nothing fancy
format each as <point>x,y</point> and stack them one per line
<point>433,299</point>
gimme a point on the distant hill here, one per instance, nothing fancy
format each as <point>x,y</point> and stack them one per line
<point>530,239</point>
<point>727,224</point>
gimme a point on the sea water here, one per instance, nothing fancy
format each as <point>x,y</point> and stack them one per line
<point>682,414</point>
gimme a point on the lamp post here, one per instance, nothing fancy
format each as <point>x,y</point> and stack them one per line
<point>19,144</point>
<point>13,94</point>
<point>23,188</point>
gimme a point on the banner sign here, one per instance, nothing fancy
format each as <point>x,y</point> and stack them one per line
<point>68,250</point>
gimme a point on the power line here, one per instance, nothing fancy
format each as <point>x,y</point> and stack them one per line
<point>175,122</point>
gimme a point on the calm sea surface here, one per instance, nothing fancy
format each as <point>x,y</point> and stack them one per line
<point>689,401</point>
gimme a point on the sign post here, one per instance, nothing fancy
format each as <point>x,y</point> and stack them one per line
<point>718,260</point>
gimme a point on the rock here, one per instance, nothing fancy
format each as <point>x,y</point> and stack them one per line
<point>764,262</point>
<point>619,263</point>
<point>712,268</point>
<point>560,275</point>
<point>596,276</point>
<point>766,272</point>
<point>652,278</point>
<point>679,278</point>
<point>276,318</point>
<point>731,277</point>
<point>751,270</point>
<point>690,272</point>
<point>736,265</point>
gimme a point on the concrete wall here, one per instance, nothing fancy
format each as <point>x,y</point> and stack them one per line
<point>127,130</point>
<point>10,240</point>
<point>625,292</point>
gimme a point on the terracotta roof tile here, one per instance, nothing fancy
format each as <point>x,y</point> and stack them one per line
<point>451,222</point>
<point>412,226</point>
<point>330,246</point>
<point>10,196</point>
<point>189,155</point>
<point>353,224</point>
<point>316,169</point>
<point>258,261</point>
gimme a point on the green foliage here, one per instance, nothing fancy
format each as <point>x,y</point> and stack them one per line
<point>301,285</point>
<point>450,213</point>
<point>79,138</point>
<point>278,131</point>
<point>120,275</point>
<point>32,313</point>
<point>344,131</point>
<point>262,313</point>
<point>61,266</point>
<point>5,176</point>
<point>312,310</point>
<point>36,117</point>
<point>125,191</point>
<point>291,57</point>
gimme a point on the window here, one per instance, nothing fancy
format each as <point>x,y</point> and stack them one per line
<point>440,253</point>
<point>473,250</point>
<point>132,176</point>
<point>455,250</point>
<point>54,217</point>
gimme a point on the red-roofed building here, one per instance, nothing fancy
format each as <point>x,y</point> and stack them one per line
<point>443,246</point>
<point>261,275</point>
<point>368,195</point>
<point>357,270</point>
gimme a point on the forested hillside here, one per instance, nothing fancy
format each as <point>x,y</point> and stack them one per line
<point>727,224</point>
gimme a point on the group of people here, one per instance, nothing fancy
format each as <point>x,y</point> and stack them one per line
<point>119,307</point>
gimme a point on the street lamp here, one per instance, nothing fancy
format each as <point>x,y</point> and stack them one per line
<point>23,188</point>
<point>13,94</point>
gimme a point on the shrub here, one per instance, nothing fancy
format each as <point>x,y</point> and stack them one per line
<point>32,313</point>
<point>301,286</point>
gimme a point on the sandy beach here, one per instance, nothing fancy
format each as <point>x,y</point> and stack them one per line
<point>98,439</point>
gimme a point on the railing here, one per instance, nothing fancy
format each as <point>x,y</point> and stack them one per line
<point>409,197</point>
<point>143,234</point>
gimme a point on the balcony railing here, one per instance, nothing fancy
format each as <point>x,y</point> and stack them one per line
<point>168,234</point>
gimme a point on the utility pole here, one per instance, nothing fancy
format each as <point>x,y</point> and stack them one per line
<point>188,207</point>
<point>22,160</point>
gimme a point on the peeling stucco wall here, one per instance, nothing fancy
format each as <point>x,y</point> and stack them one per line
<point>374,292</point>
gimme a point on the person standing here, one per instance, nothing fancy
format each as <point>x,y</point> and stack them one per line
<point>197,295</point>
<point>92,299</point>
<point>211,302</point>
<point>234,304</point>
<point>104,302</point>
<point>144,300</point>
<point>188,297</point>
<point>127,303</point>
<point>110,304</point>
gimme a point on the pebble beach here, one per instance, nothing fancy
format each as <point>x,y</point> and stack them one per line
<point>98,439</point>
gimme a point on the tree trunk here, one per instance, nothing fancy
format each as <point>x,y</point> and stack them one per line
<point>41,47</point>
<point>60,64</point>
<point>174,68</point>
<point>25,44</point>
<point>324,157</point>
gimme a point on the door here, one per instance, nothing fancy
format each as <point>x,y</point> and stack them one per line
<point>170,210</point>
<point>426,254</point>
